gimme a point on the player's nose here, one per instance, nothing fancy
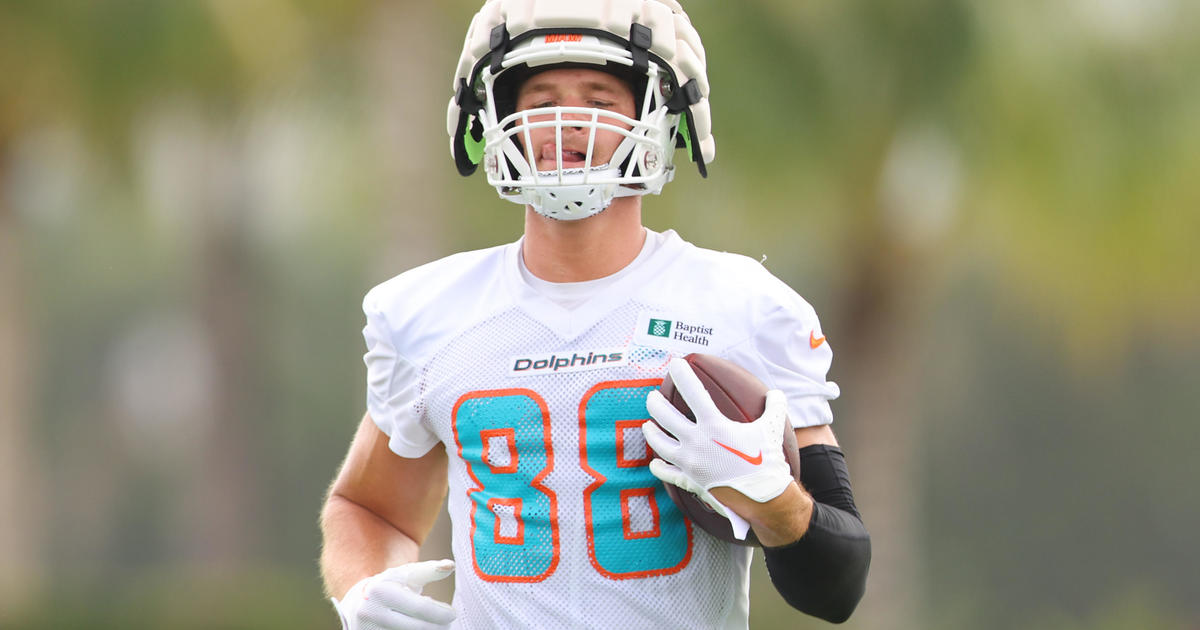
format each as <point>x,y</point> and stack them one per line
<point>569,118</point>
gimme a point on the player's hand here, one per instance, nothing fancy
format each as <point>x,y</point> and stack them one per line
<point>716,451</point>
<point>392,600</point>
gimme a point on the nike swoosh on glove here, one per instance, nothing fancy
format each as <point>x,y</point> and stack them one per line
<point>714,450</point>
<point>392,599</point>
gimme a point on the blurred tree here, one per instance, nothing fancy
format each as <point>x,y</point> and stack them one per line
<point>408,114</point>
<point>19,476</point>
<point>114,71</point>
<point>938,131</point>
<point>863,92</point>
<point>26,78</point>
<point>1085,192</point>
<point>94,67</point>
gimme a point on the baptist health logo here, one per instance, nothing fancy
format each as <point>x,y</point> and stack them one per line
<point>688,333</point>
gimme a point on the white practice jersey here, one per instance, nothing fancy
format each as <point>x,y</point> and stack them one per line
<point>557,521</point>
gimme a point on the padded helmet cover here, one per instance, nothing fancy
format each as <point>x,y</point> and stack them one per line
<point>651,41</point>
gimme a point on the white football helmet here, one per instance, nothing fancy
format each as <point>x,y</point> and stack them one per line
<point>649,43</point>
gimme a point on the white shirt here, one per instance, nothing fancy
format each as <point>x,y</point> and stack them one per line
<point>537,392</point>
<point>571,294</point>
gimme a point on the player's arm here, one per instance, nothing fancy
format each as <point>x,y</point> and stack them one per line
<point>379,510</point>
<point>816,546</point>
<point>824,572</point>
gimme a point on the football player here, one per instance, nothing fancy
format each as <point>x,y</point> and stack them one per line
<point>517,381</point>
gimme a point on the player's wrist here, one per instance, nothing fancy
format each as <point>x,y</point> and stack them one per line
<point>777,522</point>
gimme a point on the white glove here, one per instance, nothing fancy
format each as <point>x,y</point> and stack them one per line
<point>392,600</point>
<point>714,450</point>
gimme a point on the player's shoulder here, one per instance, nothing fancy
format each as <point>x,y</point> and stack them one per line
<point>749,292</point>
<point>732,272</point>
<point>431,281</point>
<point>438,297</point>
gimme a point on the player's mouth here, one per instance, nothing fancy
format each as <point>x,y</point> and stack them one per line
<point>549,155</point>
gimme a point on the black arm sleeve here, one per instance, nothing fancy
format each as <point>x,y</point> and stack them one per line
<point>824,574</point>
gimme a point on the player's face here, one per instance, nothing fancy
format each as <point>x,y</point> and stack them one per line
<point>575,87</point>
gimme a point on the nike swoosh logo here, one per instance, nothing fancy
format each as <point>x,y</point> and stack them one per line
<point>756,460</point>
<point>814,341</point>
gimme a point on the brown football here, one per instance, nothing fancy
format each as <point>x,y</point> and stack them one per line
<point>741,397</point>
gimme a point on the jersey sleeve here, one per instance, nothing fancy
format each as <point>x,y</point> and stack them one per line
<point>795,357</point>
<point>392,387</point>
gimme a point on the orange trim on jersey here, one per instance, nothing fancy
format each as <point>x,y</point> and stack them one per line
<point>500,538</point>
<point>622,427</point>
<point>510,438</point>
<point>627,519</point>
<point>600,479</point>
<point>536,482</point>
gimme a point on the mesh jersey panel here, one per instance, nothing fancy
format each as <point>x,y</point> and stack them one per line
<point>557,521</point>
<point>600,578</point>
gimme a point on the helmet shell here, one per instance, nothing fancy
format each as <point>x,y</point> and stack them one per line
<point>650,41</point>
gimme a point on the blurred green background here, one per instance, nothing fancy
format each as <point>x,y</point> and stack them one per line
<point>989,203</point>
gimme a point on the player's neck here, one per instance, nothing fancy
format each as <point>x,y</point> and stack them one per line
<point>587,249</point>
